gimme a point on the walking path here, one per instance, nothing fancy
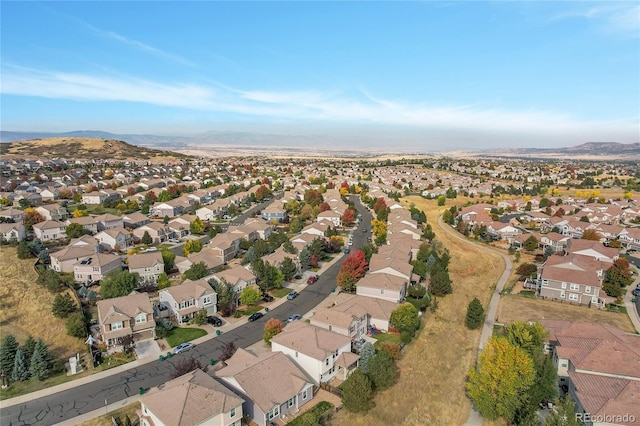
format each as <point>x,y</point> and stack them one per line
<point>475,419</point>
<point>632,311</point>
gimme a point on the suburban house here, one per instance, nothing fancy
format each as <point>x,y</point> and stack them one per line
<point>593,249</point>
<point>192,399</point>
<point>12,231</point>
<point>115,239</point>
<point>89,223</point>
<point>574,278</point>
<point>159,233</point>
<point>16,215</point>
<point>53,212</point>
<point>135,220</point>
<point>503,231</point>
<point>210,212</point>
<point>180,226</point>
<point>317,351</point>
<point>63,260</point>
<point>130,315</point>
<point>273,214</point>
<point>169,208</point>
<point>188,298</point>
<point>225,246</point>
<point>94,268</point>
<point>382,286</point>
<point>238,276</point>
<point>148,265</point>
<point>334,217</point>
<point>556,241</point>
<point>50,230</point>
<point>599,365</point>
<point>94,197</point>
<point>271,385</point>
<point>109,221</point>
<point>378,311</point>
<point>259,226</point>
<point>380,264</point>
<point>351,324</point>
<point>206,256</point>
<point>630,238</point>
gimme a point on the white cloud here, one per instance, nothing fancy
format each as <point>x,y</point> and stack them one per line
<point>329,107</point>
<point>621,18</point>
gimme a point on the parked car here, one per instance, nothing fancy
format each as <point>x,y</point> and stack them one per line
<point>174,240</point>
<point>214,321</point>
<point>151,249</point>
<point>636,292</point>
<point>267,297</point>
<point>312,279</point>
<point>292,295</point>
<point>294,317</point>
<point>183,347</point>
<point>255,316</point>
<point>347,250</point>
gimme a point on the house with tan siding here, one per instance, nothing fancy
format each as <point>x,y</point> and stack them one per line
<point>130,315</point>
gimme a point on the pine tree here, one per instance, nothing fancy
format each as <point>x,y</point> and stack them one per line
<point>20,370</point>
<point>63,305</point>
<point>146,238</point>
<point>8,349</point>
<point>475,314</point>
<point>40,361</point>
<point>382,371</point>
<point>28,347</point>
<point>357,392</point>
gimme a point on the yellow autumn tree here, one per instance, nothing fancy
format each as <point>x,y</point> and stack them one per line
<point>500,384</point>
<point>79,213</point>
<point>379,227</point>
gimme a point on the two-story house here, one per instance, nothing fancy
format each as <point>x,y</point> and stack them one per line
<point>115,239</point>
<point>274,214</point>
<point>188,298</point>
<point>238,276</point>
<point>192,399</point>
<point>225,246</point>
<point>109,221</point>
<point>12,231</point>
<point>53,212</point>
<point>159,233</point>
<point>317,351</point>
<point>271,385</point>
<point>148,265</point>
<point>89,223</point>
<point>95,267</point>
<point>130,315</point>
<point>50,230</point>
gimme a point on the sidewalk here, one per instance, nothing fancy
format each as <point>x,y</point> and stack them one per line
<point>631,307</point>
<point>228,326</point>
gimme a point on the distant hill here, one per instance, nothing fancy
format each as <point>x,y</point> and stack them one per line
<point>84,147</point>
<point>591,150</point>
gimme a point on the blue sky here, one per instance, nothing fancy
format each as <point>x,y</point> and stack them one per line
<point>429,75</point>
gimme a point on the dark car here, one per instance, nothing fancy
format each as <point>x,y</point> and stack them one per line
<point>636,292</point>
<point>215,321</point>
<point>267,297</point>
<point>256,316</point>
<point>312,279</point>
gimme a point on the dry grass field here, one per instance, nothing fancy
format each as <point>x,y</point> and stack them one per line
<point>25,307</point>
<point>120,413</point>
<point>434,367</point>
<point>518,308</point>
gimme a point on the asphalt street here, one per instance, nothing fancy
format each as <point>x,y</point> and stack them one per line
<point>82,399</point>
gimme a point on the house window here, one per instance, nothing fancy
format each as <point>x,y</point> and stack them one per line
<point>206,300</point>
<point>141,318</point>
<point>575,287</point>
<point>587,289</point>
<point>564,364</point>
<point>563,285</point>
<point>304,394</point>
<point>594,299</point>
<point>573,296</point>
<point>562,294</point>
<point>275,412</point>
<point>296,354</point>
<point>117,325</point>
<point>232,413</point>
<point>382,291</point>
<point>291,402</point>
<point>326,361</point>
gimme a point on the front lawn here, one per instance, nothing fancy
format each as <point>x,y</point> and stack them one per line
<point>250,310</point>
<point>280,292</point>
<point>181,335</point>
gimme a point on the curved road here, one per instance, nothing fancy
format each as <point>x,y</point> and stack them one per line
<point>475,419</point>
<point>67,404</point>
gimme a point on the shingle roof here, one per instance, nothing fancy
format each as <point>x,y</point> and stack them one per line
<point>315,342</point>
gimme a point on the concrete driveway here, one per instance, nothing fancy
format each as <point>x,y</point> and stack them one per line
<point>147,348</point>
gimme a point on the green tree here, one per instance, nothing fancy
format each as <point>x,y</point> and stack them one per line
<point>23,250</point>
<point>118,283</point>
<point>288,268</point>
<point>367,352</point>
<point>29,346</point>
<point>8,348</point>
<point>146,238</point>
<point>383,371</point>
<point>163,281</point>
<point>475,314</point>
<point>271,328</point>
<point>250,295</point>
<point>356,396</point>
<point>226,296</point>
<point>63,305</point>
<point>169,259</point>
<point>531,243</point>
<point>232,210</point>
<point>50,279</point>
<point>196,271</point>
<point>442,200</point>
<point>76,325</point>
<point>197,227</point>
<point>440,282</point>
<point>20,370</point>
<point>499,385</point>
<point>191,246</point>
<point>74,230</point>
<point>305,258</point>
<point>40,361</point>
<point>199,317</point>
<point>528,336</point>
<point>405,317</point>
<point>563,413</point>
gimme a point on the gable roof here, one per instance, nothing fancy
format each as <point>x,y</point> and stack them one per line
<point>190,399</point>
<point>124,307</point>
<point>189,290</point>
<point>315,342</point>
<point>144,260</point>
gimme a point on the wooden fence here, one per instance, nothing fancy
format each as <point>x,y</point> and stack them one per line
<point>334,390</point>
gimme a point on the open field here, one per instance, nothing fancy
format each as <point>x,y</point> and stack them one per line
<point>120,413</point>
<point>434,366</point>
<point>514,308</point>
<point>25,307</point>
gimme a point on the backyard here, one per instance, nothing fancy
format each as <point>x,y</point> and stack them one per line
<point>434,366</point>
